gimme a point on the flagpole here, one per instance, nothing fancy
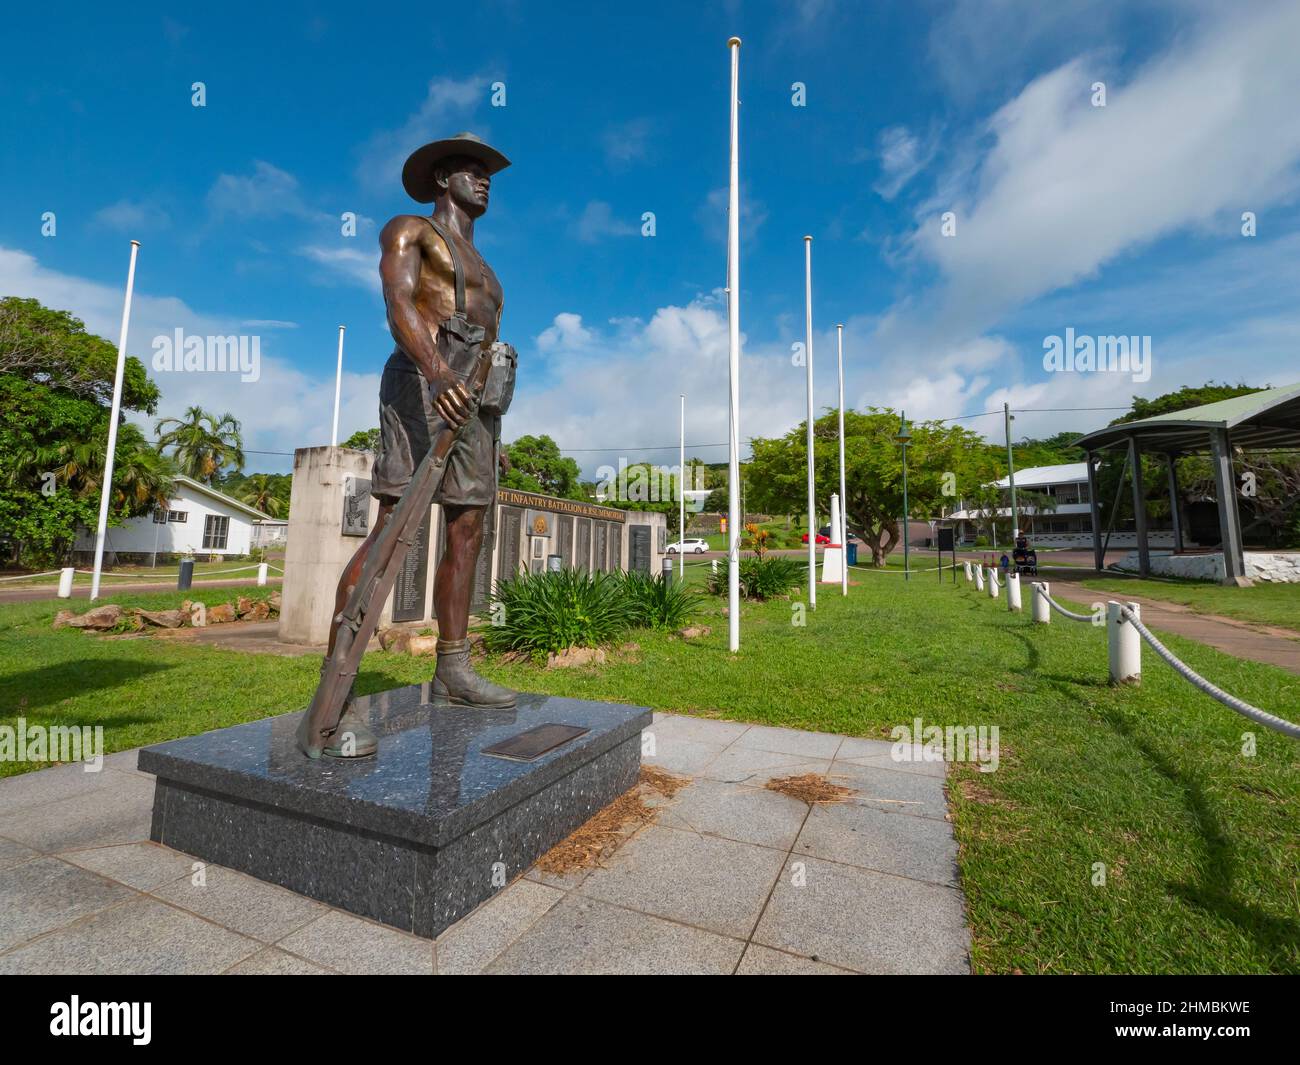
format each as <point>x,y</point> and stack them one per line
<point>338,390</point>
<point>844,508</point>
<point>733,360</point>
<point>681,495</point>
<point>106,490</point>
<point>808,354</point>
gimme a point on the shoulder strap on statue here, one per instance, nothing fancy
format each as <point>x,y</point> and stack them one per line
<point>455,264</point>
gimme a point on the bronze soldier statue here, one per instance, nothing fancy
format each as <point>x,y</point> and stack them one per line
<point>441,398</point>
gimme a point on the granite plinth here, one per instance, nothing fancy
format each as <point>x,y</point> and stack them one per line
<point>417,835</point>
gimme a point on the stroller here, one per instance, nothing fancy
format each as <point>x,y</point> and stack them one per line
<point>1025,558</point>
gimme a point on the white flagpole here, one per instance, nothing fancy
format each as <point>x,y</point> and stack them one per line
<point>733,360</point>
<point>106,491</point>
<point>844,512</point>
<point>681,496</point>
<point>808,353</point>
<point>338,390</point>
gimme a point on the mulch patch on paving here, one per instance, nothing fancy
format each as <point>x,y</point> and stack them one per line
<point>812,788</point>
<point>602,834</point>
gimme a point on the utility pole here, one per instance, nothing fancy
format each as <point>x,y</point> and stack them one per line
<point>1011,475</point>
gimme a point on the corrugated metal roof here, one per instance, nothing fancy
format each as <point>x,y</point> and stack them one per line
<point>1187,430</point>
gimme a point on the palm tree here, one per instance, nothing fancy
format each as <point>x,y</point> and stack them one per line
<point>201,443</point>
<point>143,477</point>
<point>259,493</point>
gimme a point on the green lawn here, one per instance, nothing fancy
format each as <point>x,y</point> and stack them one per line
<point>1199,841</point>
<point>1265,604</point>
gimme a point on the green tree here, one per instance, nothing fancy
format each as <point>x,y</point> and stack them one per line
<point>939,456</point>
<point>52,348</point>
<point>262,492</point>
<point>364,440</point>
<point>201,443</point>
<point>56,381</point>
<point>536,465</point>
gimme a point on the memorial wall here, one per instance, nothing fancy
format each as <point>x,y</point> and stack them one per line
<point>331,512</point>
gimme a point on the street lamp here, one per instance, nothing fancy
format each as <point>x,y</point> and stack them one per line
<point>903,436</point>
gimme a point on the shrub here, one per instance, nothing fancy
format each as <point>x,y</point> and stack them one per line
<point>760,578</point>
<point>544,613</point>
<point>657,603</point>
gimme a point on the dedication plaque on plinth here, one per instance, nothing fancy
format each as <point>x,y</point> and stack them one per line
<point>408,590</point>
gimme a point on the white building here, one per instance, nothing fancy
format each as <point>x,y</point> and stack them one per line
<point>1069,524</point>
<point>199,520</point>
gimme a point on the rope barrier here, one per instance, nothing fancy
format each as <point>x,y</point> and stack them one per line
<point>1196,680</point>
<point>31,576</point>
<point>1038,589</point>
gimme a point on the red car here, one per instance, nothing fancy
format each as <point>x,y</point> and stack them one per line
<point>821,539</point>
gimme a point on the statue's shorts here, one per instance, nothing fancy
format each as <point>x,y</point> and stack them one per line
<point>408,425</point>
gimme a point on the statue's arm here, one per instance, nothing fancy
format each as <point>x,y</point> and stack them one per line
<point>399,270</point>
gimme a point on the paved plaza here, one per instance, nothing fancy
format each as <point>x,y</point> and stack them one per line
<point>728,877</point>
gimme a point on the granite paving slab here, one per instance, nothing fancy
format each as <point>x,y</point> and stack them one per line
<point>867,921</point>
<point>138,937</point>
<point>46,893</point>
<point>715,884</point>
<point>735,812</point>
<point>582,936</point>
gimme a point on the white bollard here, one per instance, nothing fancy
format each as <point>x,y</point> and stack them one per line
<point>969,578</point>
<point>992,583</point>
<point>1041,608</point>
<point>1013,591</point>
<point>1125,645</point>
<point>65,582</point>
<point>715,565</point>
<point>261,573</point>
<point>979,578</point>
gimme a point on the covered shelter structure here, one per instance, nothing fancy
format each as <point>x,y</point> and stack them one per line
<point>1265,420</point>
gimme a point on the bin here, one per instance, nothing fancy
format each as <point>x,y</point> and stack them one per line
<point>851,552</point>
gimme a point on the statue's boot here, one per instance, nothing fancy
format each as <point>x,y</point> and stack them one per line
<point>455,682</point>
<point>352,737</point>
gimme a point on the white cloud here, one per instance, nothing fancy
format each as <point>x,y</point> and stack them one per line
<point>283,410</point>
<point>902,157</point>
<point>358,265</point>
<point>627,142</point>
<point>712,214</point>
<point>128,215</point>
<point>597,222</point>
<point>447,106</point>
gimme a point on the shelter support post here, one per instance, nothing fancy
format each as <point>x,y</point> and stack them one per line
<point>1094,510</point>
<point>1225,488</point>
<point>1139,510</point>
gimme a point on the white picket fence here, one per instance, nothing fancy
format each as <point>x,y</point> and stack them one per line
<point>1125,634</point>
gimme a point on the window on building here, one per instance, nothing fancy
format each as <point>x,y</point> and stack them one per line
<point>178,515</point>
<point>159,516</point>
<point>216,528</point>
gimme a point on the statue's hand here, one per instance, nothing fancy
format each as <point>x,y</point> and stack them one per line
<point>451,400</point>
<point>503,461</point>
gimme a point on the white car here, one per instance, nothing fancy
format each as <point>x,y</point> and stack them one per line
<point>697,547</point>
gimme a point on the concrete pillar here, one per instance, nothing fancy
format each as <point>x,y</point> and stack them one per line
<point>992,583</point>
<point>65,581</point>
<point>1225,486</point>
<point>1013,591</point>
<point>1039,606</point>
<point>261,573</point>
<point>1139,509</point>
<point>979,578</point>
<point>1125,645</point>
<point>969,576</point>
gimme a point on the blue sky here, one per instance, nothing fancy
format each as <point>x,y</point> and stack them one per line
<point>1123,219</point>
